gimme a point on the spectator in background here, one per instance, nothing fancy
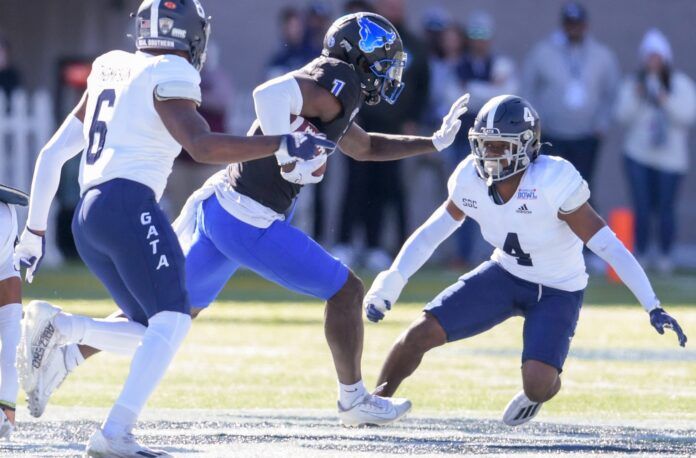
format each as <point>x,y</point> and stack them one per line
<point>294,50</point>
<point>483,73</point>
<point>9,76</point>
<point>572,81</point>
<point>317,22</point>
<point>657,105</point>
<point>372,187</point>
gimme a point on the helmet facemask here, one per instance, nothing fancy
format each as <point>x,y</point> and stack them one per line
<point>509,156</point>
<point>389,73</point>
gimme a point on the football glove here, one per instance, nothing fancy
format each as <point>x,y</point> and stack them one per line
<point>28,253</point>
<point>300,145</point>
<point>383,293</point>
<point>660,320</point>
<point>451,123</point>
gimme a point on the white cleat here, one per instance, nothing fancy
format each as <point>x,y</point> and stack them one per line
<point>6,427</point>
<point>121,447</point>
<point>374,410</point>
<point>49,377</point>
<point>520,410</point>
<point>39,339</point>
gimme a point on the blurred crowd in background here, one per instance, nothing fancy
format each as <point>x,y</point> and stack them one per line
<point>573,80</point>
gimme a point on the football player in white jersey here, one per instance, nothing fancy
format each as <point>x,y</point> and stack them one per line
<point>139,110</point>
<point>534,210</point>
<point>10,307</point>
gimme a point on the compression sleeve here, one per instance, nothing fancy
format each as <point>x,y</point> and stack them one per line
<point>608,247</point>
<point>65,143</point>
<point>274,102</point>
<point>423,242</point>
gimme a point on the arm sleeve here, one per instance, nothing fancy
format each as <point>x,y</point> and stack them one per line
<point>275,101</point>
<point>423,242</point>
<point>607,246</point>
<point>65,143</point>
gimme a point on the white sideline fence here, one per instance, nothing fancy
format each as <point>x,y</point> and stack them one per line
<point>24,129</point>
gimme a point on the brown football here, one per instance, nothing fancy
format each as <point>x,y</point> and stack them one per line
<point>300,124</point>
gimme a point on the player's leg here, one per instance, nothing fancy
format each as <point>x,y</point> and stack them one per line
<point>146,253</point>
<point>407,353</point>
<point>480,300</point>
<point>549,326</point>
<point>10,316</point>
<point>289,257</point>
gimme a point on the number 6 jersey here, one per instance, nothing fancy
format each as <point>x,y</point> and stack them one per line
<point>530,241</point>
<point>125,136</point>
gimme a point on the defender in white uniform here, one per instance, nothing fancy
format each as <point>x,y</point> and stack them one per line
<point>534,210</point>
<point>139,110</point>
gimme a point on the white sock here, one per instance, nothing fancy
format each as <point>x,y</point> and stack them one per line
<point>164,335</point>
<point>348,395</point>
<point>73,357</point>
<point>10,331</point>
<point>113,335</point>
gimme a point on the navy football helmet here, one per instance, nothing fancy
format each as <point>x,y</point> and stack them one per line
<point>179,25</point>
<point>373,47</point>
<point>513,123</point>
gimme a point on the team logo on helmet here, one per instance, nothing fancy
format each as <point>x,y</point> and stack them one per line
<point>373,36</point>
<point>165,25</point>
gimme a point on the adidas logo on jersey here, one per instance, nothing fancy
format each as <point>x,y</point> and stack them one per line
<point>524,209</point>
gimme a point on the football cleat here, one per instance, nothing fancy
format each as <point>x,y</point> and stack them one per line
<point>49,377</point>
<point>39,339</point>
<point>99,446</point>
<point>520,410</point>
<point>6,427</point>
<point>374,410</point>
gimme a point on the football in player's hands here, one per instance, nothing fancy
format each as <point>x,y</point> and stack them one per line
<point>300,124</point>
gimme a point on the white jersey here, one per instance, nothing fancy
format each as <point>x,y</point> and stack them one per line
<point>126,137</point>
<point>530,241</point>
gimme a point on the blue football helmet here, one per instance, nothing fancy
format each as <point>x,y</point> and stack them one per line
<point>373,47</point>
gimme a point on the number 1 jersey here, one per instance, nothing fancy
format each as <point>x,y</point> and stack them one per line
<point>125,136</point>
<point>530,241</point>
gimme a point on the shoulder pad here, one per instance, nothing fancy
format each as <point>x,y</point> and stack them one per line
<point>169,90</point>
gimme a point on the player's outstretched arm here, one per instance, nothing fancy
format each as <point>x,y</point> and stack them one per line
<point>594,232</point>
<point>387,287</point>
<point>363,146</point>
<point>193,133</point>
<point>67,141</point>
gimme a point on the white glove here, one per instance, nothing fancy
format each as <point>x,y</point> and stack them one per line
<point>383,293</point>
<point>302,171</point>
<point>451,123</point>
<point>28,253</point>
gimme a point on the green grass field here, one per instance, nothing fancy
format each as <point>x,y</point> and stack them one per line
<point>261,347</point>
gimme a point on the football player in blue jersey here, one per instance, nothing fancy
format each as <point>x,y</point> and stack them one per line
<point>137,113</point>
<point>241,216</point>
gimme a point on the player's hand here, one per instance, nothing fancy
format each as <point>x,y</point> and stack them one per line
<point>304,146</point>
<point>661,320</point>
<point>302,173</point>
<point>383,293</point>
<point>451,123</point>
<point>29,252</point>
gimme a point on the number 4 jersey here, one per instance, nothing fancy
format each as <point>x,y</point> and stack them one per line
<point>530,241</point>
<point>125,136</point>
